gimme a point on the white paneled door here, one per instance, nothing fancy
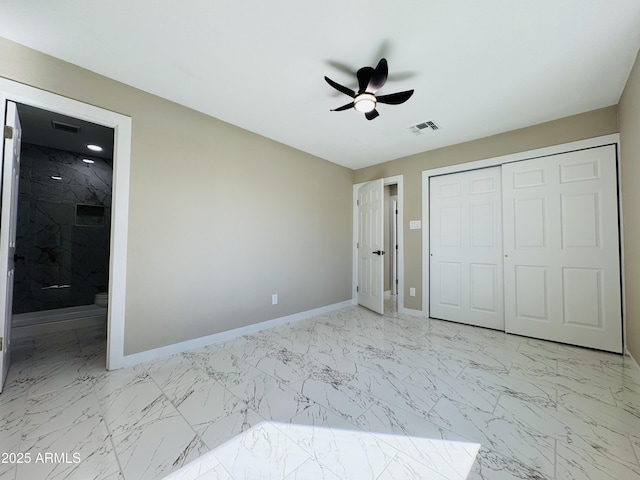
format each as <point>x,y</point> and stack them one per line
<point>561,248</point>
<point>465,243</point>
<point>370,246</point>
<point>10,179</point>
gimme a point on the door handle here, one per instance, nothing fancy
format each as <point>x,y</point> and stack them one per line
<point>379,252</point>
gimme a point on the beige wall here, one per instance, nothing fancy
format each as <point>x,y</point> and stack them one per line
<point>577,127</point>
<point>629,117</point>
<point>219,218</point>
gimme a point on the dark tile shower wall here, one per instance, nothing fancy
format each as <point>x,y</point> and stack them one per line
<point>51,248</point>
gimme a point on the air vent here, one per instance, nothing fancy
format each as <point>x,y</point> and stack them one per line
<point>420,128</point>
<point>65,127</point>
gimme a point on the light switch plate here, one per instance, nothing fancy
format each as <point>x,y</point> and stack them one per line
<point>415,224</point>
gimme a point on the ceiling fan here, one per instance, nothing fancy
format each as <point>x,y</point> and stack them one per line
<point>370,80</point>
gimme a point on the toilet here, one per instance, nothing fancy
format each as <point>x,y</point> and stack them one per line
<point>102,299</point>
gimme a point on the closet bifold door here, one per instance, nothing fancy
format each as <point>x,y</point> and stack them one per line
<point>465,248</point>
<point>561,248</point>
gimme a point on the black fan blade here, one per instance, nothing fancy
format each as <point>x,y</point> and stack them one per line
<point>364,77</point>
<point>342,67</point>
<point>395,98</point>
<point>379,77</point>
<point>340,88</point>
<point>343,107</point>
<point>372,114</point>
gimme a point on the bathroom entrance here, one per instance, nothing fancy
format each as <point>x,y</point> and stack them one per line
<point>63,224</point>
<point>14,92</point>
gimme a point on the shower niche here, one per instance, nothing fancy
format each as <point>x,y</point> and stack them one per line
<point>89,215</point>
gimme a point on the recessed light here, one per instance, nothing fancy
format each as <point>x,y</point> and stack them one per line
<point>56,177</point>
<point>88,160</point>
<point>95,148</point>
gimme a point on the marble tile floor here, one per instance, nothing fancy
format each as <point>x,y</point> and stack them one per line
<point>345,395</point>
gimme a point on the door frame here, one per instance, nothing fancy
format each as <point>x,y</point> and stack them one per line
<point>20,93</point>
<point>395,180</point>
<point>393,254</point>
<point>612,139</point>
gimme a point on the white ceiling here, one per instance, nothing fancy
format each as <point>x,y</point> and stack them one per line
<point>478,67</point>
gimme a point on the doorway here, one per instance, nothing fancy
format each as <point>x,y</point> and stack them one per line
<point>63,224</point>
<point>392,263</point>
<point>121,125</point>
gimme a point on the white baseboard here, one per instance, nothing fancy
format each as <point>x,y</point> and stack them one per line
<point>633,360</point>
<point>58,326</point>
<point>157,353</point>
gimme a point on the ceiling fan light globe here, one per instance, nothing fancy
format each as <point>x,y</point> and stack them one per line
<point>365,102</point>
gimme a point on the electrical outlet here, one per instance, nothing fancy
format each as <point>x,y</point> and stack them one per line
<point>274,299</point>
<point>412,292</point>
